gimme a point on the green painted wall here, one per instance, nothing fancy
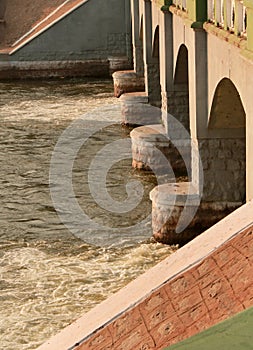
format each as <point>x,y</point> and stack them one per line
<point>233,334</point>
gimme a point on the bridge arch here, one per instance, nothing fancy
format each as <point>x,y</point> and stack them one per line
<point>155,43</point>
<point>181,88</point>
<point>227,110</point>
<point>155,69</point>
<point>141,29</point>
<point>181,67</point>
<point>224,153</point>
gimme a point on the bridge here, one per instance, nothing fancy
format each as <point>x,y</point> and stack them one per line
<point>193,59</point>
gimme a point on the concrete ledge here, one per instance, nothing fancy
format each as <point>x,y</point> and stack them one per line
<point>50,69</point>
<point>226,35</point>
<point>184,294</point>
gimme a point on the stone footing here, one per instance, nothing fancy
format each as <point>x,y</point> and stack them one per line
<point>176,206</point>
<point>59,69</point>
<point>136,110</point>
<point>127,81</point>
<point>152,149</point>
<point>118,63</point>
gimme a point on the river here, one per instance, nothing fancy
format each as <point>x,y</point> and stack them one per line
<point>50,276</point>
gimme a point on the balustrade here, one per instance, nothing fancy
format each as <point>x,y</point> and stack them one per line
<point>229,14</point>
<point>180,4</point>
<point>235,16</point>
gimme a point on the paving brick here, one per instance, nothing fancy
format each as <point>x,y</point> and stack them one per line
<point>101,340</point>
<point>242,277</point>
<point>187,301</point>
<point>236,268</point>
<point>195,313</point>
<point>125,324</point>
<point>225,255</point>
<point>158,315</point>
<point>245,244</point>
<point>206,266</point>
<point>246,297</point>
<point>210,279</point>
<point>204,322</point>
<point>157,299</point>
<point>163,333</point>
<point>136,339</point>
<point>180,285</point>
<point>223,305</point>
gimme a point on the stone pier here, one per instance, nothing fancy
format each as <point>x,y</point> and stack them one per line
<point>153,150</point>
<point>127,81</point>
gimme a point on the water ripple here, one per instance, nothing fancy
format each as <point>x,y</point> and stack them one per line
<point>48,277</point>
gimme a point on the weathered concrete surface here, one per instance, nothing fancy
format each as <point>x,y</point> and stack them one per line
<point>127,81</point>
<point>152,149</point>
<point>224,166</point>
<point>53,69</point>
<point>232,334</point>
<point>168,204</point>
<point>136,110</point>
<point>207,281</point>
<point>83,31</point>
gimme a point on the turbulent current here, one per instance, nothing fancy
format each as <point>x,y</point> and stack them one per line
<point>48,275</point>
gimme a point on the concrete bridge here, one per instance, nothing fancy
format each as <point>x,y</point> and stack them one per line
<point>194,59</point>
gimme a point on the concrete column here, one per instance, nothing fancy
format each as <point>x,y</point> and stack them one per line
<point>151,64</point>
<point>197,11</point>
<point>131,80</point>
<point>198,96</point>
<point>137,42</point>
<point>249,140</point>
<point>166,57</point>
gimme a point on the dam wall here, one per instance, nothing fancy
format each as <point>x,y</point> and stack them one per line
<point>79,38</point>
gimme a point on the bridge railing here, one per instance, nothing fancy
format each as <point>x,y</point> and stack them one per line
<point>229,14</point>
<point>182,4</point>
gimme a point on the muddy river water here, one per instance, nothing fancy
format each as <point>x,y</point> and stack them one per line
<point>49,275</point>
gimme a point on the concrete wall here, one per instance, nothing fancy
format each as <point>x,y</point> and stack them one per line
<point>97,32</point>
<point>224,165</point>
<point>206,281</point>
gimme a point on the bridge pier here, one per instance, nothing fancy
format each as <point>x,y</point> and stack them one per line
<point>153,150</point>
<point>132,80</point>
<point>215,189</point>
<point>200,106</point>
<point>136,111</point>
<point>151,55</point>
